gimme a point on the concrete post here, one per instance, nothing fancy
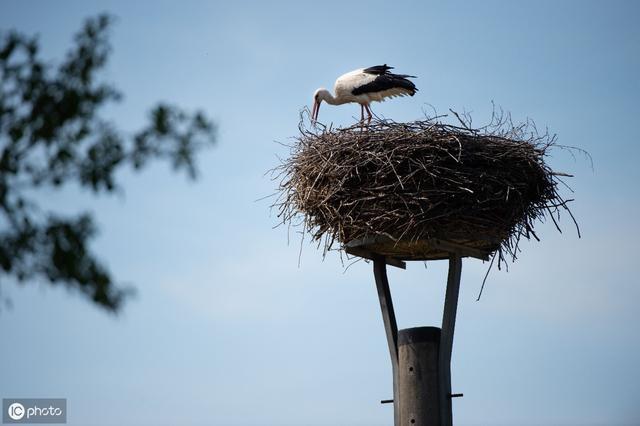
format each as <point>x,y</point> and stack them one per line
<point>419,384</point>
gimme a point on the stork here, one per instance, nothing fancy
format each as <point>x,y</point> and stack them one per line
<point>364,86</point>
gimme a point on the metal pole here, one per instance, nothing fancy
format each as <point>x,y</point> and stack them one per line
<point>390,325</point>
<point>446,342</point>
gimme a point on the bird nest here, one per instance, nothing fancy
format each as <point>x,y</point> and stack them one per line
<point>400,187</point>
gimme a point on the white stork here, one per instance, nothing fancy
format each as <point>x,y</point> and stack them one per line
<point>364,86</point>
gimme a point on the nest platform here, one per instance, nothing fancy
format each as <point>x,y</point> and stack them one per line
<point>396,253</point>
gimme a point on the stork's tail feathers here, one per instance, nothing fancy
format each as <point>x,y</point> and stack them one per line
<point>402,80</point>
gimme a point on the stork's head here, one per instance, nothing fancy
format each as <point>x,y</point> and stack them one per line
<point>318,97</point>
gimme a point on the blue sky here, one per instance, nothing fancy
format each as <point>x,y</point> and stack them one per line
<point>226,329</point>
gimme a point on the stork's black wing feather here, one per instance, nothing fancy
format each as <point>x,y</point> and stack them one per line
<point>387,81</point>
<point>378,69</point>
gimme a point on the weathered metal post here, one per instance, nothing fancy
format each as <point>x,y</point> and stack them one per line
<point>390,325</point>
<point>446,339</point>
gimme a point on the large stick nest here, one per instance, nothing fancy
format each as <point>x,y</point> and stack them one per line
<point>410,182</point>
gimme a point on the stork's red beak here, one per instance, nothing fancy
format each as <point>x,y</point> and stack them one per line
<point>315,111</point>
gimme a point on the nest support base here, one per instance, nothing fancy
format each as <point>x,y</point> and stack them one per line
<point>396,253</point>
<point>421,356</point>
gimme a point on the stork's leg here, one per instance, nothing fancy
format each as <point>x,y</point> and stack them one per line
<point>362,117</point>
<point>369,114</point>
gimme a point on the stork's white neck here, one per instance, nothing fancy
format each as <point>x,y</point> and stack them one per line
<point>325,95</point>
